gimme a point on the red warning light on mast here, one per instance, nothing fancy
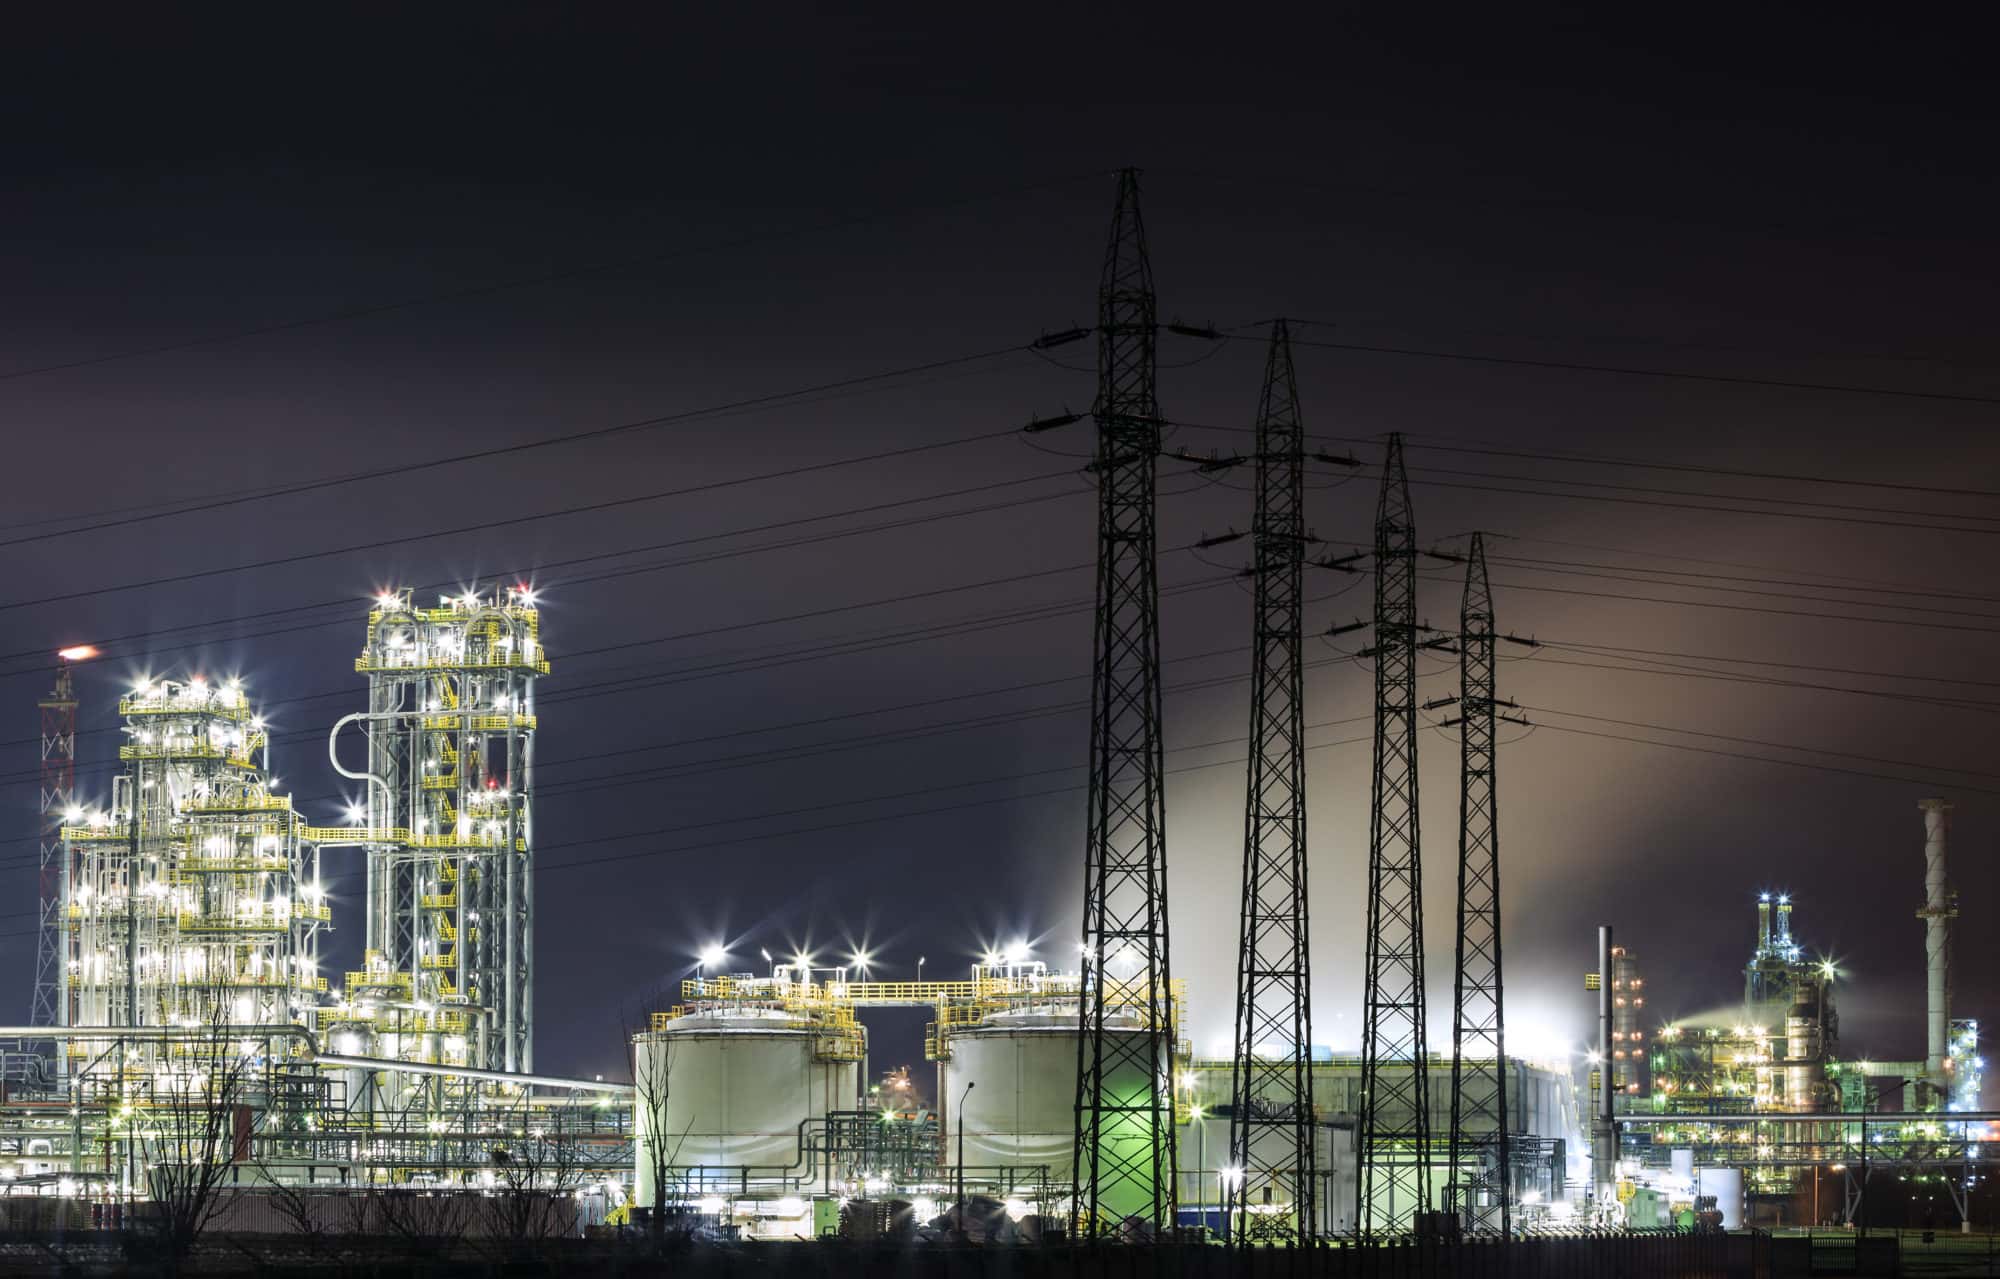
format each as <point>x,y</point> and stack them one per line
<point>79,653</point>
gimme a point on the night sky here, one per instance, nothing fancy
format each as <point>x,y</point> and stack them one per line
<point>848,706</point>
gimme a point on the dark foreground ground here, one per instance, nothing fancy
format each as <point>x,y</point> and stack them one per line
<point>1613,1256</point>
<point>1785,1255</point>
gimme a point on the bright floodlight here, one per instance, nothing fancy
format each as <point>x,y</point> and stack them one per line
<point>387,599</point>
<point>861,959</point>
<point>713,956</point>
<point>356,815</point>
<point>76,654</point>
<point>1017,953</point>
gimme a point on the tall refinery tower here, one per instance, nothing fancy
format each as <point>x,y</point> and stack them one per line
<point>448,824</point>
<point>194,898</point>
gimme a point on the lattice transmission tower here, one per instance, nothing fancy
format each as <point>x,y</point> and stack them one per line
<point>1394,1137</point>
<point>1124,1153</point>
<point>1271,1116</point>
<point>1481,1178</point>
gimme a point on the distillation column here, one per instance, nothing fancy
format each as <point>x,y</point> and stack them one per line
<point>448,826</point>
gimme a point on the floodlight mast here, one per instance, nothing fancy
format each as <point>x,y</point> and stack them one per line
<point>58,796</point>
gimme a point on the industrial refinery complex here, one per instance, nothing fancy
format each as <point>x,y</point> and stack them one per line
<point>190,1050</point>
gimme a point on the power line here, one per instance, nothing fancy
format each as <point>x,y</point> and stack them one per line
<point>1703,493</point>
<point>1770,682</point>
<point>801,394</point>
<point>789,753</point>
<point>1552,569</point>
<point>1658,573</point>
<point>1696,506</point>
<point>1761,759</point>
<point>40,655</point>
<point>1676,375</point>
<point>1756,661</point>
<point>493,287</point>
<point>1755,741</point>
<point>866,642</point>
<point>510,521</point>
<point>1790,477</point>
<point>1752,608</point>
<point>862,821</point>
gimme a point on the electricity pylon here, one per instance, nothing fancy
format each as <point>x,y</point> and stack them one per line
<point>1271,1182</point>
<point>1481,1178</point>
<point>1394,1136</point>
<point>1123,1161</point>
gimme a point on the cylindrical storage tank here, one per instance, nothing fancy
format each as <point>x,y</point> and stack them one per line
<point>737,1090</point>
<point>1726,1184</point>
<point>1680,1161</point>
<point>1021,1112</point>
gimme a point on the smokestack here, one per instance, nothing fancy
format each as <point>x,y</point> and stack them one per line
<point>1939,909</point>
<point>1763,924</point>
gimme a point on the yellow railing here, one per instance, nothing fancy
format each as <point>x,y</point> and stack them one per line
<point>118,831</point>
<point>356,834</point>
<point>438,901</point>
<point>228,706</point>
<point>478,723</point>
<point>244,804</point>
<point>467,841</point>
<point>241,924</point>
<point>232,865</point>
<point>235,757</point>
<point>377,977</point>
<point>538,663</point>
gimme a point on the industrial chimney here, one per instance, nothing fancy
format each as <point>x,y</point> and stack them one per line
<point>1940,907</point>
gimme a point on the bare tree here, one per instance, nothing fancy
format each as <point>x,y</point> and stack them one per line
<point>536,1176</point>
<point>196,1127</point>
<point>652,1078</point>
<point>300,1211</point>
<point>430,1223</point>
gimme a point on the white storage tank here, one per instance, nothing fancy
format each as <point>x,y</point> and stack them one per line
<point>739,1086</point>
<point>1726,1184</point>
<point>1021,1112</point>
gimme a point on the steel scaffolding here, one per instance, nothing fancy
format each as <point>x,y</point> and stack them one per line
<point>447,821</point>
